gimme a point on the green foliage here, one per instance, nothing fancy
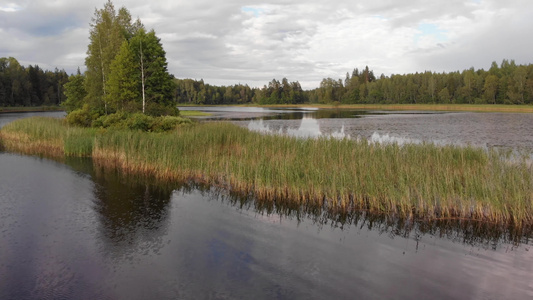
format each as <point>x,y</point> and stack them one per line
<point>156,109</point>
<point>126,66</point>
<point>75,92</point>
<point>124,80</point>
<point>139,121</point>
<point>508,84</point>
<point>81,117</point>
<point>197,92</point>
<point>30,86</point>
<point>505,84</point>
<point>106,36</point>
<point>168,123</point>
<point>115,120</point>
<point>154,80</point>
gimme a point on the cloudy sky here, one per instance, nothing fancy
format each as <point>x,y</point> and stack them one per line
<point>236,41</point>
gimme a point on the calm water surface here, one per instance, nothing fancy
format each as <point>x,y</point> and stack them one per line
<point>513,131</point>
<point>70,230</point>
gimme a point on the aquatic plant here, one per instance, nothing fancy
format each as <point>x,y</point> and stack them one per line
<point>423,181</point>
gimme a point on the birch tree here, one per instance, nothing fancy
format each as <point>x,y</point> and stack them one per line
<point>106,36</point>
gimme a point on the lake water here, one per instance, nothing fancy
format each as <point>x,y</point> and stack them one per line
<point>511,131</point>
<point>70,230</point>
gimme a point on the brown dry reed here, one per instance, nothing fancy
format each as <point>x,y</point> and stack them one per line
<point>422,182</point>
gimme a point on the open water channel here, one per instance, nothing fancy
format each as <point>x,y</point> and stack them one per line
<point>69,230</point>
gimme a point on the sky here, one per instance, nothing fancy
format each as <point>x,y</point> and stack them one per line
<point>252,42</point>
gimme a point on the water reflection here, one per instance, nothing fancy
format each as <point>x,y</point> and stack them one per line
<point>135,210</point>
<point>74,232</point>
<point>501,131</point>
<point>474,233</point>
<point>305,128</point>
<point>132,212</point>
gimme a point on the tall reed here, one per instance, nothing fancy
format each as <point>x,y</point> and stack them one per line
<point>413,181</point>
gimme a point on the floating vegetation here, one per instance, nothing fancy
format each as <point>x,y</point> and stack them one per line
<point>422,182</point>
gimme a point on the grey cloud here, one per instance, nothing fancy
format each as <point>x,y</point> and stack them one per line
<point>300,40</point>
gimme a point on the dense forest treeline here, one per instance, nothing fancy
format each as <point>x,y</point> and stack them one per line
<point>197,92</point>
<point>506,83</point>
<point>30,86</point>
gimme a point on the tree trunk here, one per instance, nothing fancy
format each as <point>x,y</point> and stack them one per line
<point>142,76</point>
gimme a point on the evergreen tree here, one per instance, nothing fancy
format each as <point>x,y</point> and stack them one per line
<point>75,92</point>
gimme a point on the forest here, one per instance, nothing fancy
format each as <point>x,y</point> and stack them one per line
<point>30,86</point>
<point>506,83</point>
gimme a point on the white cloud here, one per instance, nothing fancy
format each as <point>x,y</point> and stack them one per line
<point>235,41</point>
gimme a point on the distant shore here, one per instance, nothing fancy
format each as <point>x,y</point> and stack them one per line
<point>418,107</point>
<point>30,109</point>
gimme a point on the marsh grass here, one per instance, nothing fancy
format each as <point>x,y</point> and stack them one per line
<point>194,113</point>
<point>524,108</point>
<point>422,182</point>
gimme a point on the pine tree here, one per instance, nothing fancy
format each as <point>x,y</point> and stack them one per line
<point>75,92</point>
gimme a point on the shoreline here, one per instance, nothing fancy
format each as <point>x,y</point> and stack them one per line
<point>30,109</point>
<point>415,107</point>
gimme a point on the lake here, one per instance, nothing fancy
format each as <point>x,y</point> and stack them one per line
<point>71,230</point>
<point>509,131</point>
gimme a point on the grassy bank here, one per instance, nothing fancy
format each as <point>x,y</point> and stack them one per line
<point>194,113</point>
<point>30,109</point>
<point>412,181</point>
<point>420,107</point>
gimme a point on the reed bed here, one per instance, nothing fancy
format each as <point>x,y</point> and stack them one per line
<point>425,181</point>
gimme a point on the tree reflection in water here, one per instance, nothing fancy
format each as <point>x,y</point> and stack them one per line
<point>134,211</point>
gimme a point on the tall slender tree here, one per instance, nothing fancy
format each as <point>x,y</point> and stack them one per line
<point>123,81</point>
<point>106,36</point>
<point>157,86</point>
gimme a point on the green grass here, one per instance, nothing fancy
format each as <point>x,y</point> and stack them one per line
<point>194,113</point>
<point>418,107</point>
<point>413,181</point>
<point>30,108</point>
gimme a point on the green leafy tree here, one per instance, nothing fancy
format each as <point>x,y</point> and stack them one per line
<point>106,36</point>
<point>157,85</point>
<point>490,88</point>
<point>123,81</point>
<point>75,92</point>
<point>444,95</point>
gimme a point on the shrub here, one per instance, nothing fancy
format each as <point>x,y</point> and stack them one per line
<point>155,109</point>
<point>167,123</point>
<point>139,121</point>
<point>80,117</point>
<point>116,120</point>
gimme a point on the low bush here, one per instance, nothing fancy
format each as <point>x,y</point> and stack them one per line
<point>80,117</point>
<point>168,123</point>
<point>139,122</point>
